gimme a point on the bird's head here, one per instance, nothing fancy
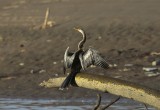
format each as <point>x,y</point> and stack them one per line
<point>80,45</point>
<point>79,30</point>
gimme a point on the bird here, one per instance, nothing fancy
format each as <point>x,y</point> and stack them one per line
<point>81,59</point>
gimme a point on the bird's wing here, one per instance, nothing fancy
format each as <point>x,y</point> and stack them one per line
<point>93,57</point>
<point>68,59</point>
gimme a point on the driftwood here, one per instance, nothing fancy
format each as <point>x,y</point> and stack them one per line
<point>113,86</point>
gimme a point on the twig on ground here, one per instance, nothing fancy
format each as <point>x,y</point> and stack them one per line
<point>46,23</point>
<point>46,19</point>
<point>155,53</point>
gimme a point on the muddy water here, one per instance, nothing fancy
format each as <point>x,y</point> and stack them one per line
<point>80,104</point>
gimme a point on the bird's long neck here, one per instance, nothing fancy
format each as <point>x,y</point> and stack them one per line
<point>80,45</point>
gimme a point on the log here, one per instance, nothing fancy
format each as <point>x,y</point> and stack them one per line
<point>112,85</point>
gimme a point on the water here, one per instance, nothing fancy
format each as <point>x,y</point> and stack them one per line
<point>44,104</point>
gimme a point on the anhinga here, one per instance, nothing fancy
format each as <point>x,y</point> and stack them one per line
<point>81,60</point>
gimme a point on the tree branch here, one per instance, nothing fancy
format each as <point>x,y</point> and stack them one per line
<point>113,86</point>
<point>111,103</point>
<point>98,102</point>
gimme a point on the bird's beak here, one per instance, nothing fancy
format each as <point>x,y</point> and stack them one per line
<point>76,29</point>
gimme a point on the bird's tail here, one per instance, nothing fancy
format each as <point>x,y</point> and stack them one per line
<point>69,79</point>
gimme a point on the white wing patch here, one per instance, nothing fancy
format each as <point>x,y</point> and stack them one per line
<point>93,57</point>
<point>68,59</point>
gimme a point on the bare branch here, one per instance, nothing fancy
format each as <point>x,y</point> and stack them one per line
<point>146,107</point>
<point>111,103</point>
<point>98,102</point>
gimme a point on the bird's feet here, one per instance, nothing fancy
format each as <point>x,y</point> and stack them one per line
<point>61,89</point>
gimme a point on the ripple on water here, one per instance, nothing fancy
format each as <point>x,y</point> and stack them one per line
<point>43,104</point>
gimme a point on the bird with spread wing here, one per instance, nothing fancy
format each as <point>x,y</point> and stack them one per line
<point>81,60</point>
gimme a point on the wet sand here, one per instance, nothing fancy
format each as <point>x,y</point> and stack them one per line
<point>124,31</point>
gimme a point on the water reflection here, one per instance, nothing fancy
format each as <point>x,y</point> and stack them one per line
<point>27,104</point>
